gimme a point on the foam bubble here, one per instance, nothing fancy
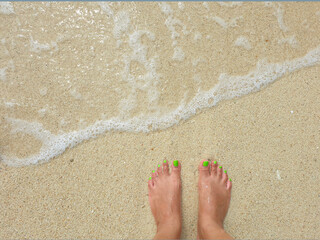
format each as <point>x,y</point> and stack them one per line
<point>228,87</point>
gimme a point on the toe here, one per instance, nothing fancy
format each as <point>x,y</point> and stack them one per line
<point>214,167</point>
<point>150,183</point>
<point>220,170</point>
<point>204,168</point>
<point>165,167</point>
<point>154,176</point>
<point>224,176</point>
<point>176,168</point>
<point>159,170</point>
<point>229,184</point>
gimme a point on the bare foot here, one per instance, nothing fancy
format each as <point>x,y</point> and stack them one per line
<point>214,199</point>
<point>165,200</point>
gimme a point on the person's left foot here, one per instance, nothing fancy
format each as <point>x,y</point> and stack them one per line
<point>165,200</point>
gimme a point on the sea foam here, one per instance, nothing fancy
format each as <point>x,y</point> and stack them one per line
<point>228,87</point>
<point>6,8</point>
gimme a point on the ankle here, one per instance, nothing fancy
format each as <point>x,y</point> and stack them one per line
<point>169,229</point>
<point>209,229</point>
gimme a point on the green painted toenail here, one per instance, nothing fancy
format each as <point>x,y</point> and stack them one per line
<point>165,161</point>
<point>215,162</point>
<point>176,163</point>
<point>205,163</point>
<point>149,178</point>
<point>225,171</point>
<point>153,171</point>
<point>220,166</point>
<point>230,179</point>
<point>159,165</point>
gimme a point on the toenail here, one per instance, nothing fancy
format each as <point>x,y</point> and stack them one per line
<point>220,166</point>
<point>176,163</point>
<point>153,171</point>
<point>225,171</point>
<point>165,161</point>
<point>215,162</point>
<point>230,179</point>
<point>150,178</point>
<point>205,163</point>
<point>159,165</point>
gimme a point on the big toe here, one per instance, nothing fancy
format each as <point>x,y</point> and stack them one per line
<point>176,168</point>
<point>204,168</point>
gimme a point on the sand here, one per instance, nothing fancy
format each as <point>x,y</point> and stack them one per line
<point>268,141</point>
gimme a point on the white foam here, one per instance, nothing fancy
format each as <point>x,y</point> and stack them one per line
<point>181,5</point>
<point>43,91</point>
<point>278,175</point>
<point>105,7</point>
<point>223,23</point>
<point>170,22</point>
<point>230,4</point>
<point>3,74</point>
<point>6,8</point>
<point>42,112</point>
<point>292,41</point>
<point>178,54</point>
<point>165,8</point>
<point>278,12</point>
<point>228,87</point>
<point>11,104</point>
<point>74,93</point>
<point>205,4</point>
<point>37,47</point>
<point>121,21</point>
<point>146,82</point>
<point>121,24</point>
<point>196,61</point>
<point>197,36</point>
<point>197,79</point>
<point>242,41</point>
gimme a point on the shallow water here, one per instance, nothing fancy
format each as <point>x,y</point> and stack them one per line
<point>72,71</point>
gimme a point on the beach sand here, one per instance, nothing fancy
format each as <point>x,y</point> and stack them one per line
<point>268,141</point>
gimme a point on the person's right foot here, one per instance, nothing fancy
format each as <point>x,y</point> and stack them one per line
<point>214,198</point>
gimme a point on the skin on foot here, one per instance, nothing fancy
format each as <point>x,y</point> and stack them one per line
<point>165,200</point>
<point>214,198</point>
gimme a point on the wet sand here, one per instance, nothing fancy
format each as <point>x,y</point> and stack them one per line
<point>268,141</point>
<point>99,188</point>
